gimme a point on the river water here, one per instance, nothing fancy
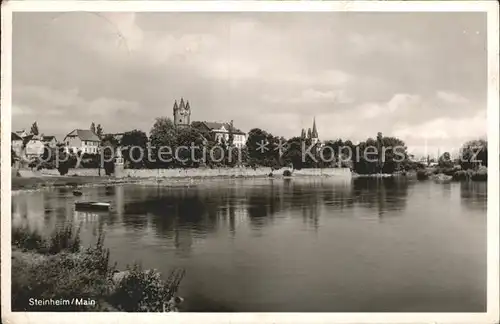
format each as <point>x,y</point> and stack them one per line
<point>296,245</point>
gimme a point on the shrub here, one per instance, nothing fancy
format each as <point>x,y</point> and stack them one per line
<point>63,168</point>
<point>61,240</point>
<point>64,240</point>
<point>480,175</point>
<point>422,175</point>
<point>287,173</point>
<point>61,276</point>
<point>27,240</point>
<point>109,168</point>
<point>460,175</point>
<point>144,291</point>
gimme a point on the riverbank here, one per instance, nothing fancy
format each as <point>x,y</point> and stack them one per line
<point>29,180</point>
<point>33,183</point>
<point>455,174</point>
<point>56,271</point>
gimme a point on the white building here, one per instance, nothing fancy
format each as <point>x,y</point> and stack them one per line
<point>222,131</point>
<point>82,140</point>
<point>34,146</point>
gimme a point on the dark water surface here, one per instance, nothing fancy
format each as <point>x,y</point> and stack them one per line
<point>297,245</point>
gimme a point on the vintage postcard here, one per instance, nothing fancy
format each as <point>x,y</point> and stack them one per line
<point>248,162</point>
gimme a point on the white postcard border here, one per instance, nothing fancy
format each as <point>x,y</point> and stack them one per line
<point>491,7</point>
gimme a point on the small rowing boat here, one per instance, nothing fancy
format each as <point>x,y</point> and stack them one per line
<point>92,205</point>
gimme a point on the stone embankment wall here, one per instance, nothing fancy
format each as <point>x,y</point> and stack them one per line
<point>198,172</point>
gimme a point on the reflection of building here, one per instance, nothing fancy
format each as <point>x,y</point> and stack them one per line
<point>86,216</point>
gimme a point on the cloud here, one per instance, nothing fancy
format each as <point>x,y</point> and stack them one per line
<point>368,44</point>
<point>450,97</point>
<point>399,103</point>
<point>57,111</point>
<point>125,24</point>
<point>358,73</point>
<point>311,96</point>
<point>446,127</point>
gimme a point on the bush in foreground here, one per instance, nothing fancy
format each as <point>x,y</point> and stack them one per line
<point>65,239</point>
<point>65,275</point>
<point>38,271</point>
<point>144,291</point>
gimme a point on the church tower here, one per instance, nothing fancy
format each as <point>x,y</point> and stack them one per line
<point>182,114</point>
<point>314,135</point>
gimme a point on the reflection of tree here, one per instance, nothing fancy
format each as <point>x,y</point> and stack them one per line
<point>474,194</point>
<point>384,194</point>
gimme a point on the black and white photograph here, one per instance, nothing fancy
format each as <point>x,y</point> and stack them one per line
<point>200,159</point>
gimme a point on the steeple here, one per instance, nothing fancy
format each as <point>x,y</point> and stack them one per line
<point>181,106</point>
<point>175,105</point>
<point>314,130</point>
<point>187,105</point>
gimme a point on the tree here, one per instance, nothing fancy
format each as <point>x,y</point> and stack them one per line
<point>134,145</point>
<point>99,131</point>
<point>65,161</point>
<point>34,129</point>
<point>262,148</point>
<point>309,134</point>
<point>303,134</point>
<point>445,161</point>
<point>162,134</point>
<point>293,154</point>
<point>13,157</point>
<point>109,146</point>
<point>394,154</point>
<point>473,154</point>
<point>230,135</point>
<point>188,152</point>
<point>380,164</point>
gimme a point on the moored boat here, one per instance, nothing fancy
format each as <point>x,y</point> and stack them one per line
<point>92,205</point>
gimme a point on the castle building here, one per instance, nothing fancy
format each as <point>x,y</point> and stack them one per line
<point>220,130</point>
<point>182,114</point>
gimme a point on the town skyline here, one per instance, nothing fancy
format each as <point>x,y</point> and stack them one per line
<point>270,71</point>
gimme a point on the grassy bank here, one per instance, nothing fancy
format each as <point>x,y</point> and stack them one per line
<point>57,268</point>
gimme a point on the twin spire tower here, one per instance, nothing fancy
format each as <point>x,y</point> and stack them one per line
<point>182,114</point>
<point>313,135</point>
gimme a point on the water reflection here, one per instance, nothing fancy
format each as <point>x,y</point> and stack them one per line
<point>168,210</point>
<point>474,195</point>
<point>266,239</point>
<point>385,195</point>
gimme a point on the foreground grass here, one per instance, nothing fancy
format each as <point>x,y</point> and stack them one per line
<point>57,268</point>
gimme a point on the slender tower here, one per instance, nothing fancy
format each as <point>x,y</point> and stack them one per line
<point>182,113</point>
<point>314,135</point>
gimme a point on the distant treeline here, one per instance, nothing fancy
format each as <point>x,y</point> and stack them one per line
<point>381,154</point>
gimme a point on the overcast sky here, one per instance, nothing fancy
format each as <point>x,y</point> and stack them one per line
<point>414,76</point>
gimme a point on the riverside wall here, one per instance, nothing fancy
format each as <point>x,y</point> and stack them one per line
<point>195,172</point>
